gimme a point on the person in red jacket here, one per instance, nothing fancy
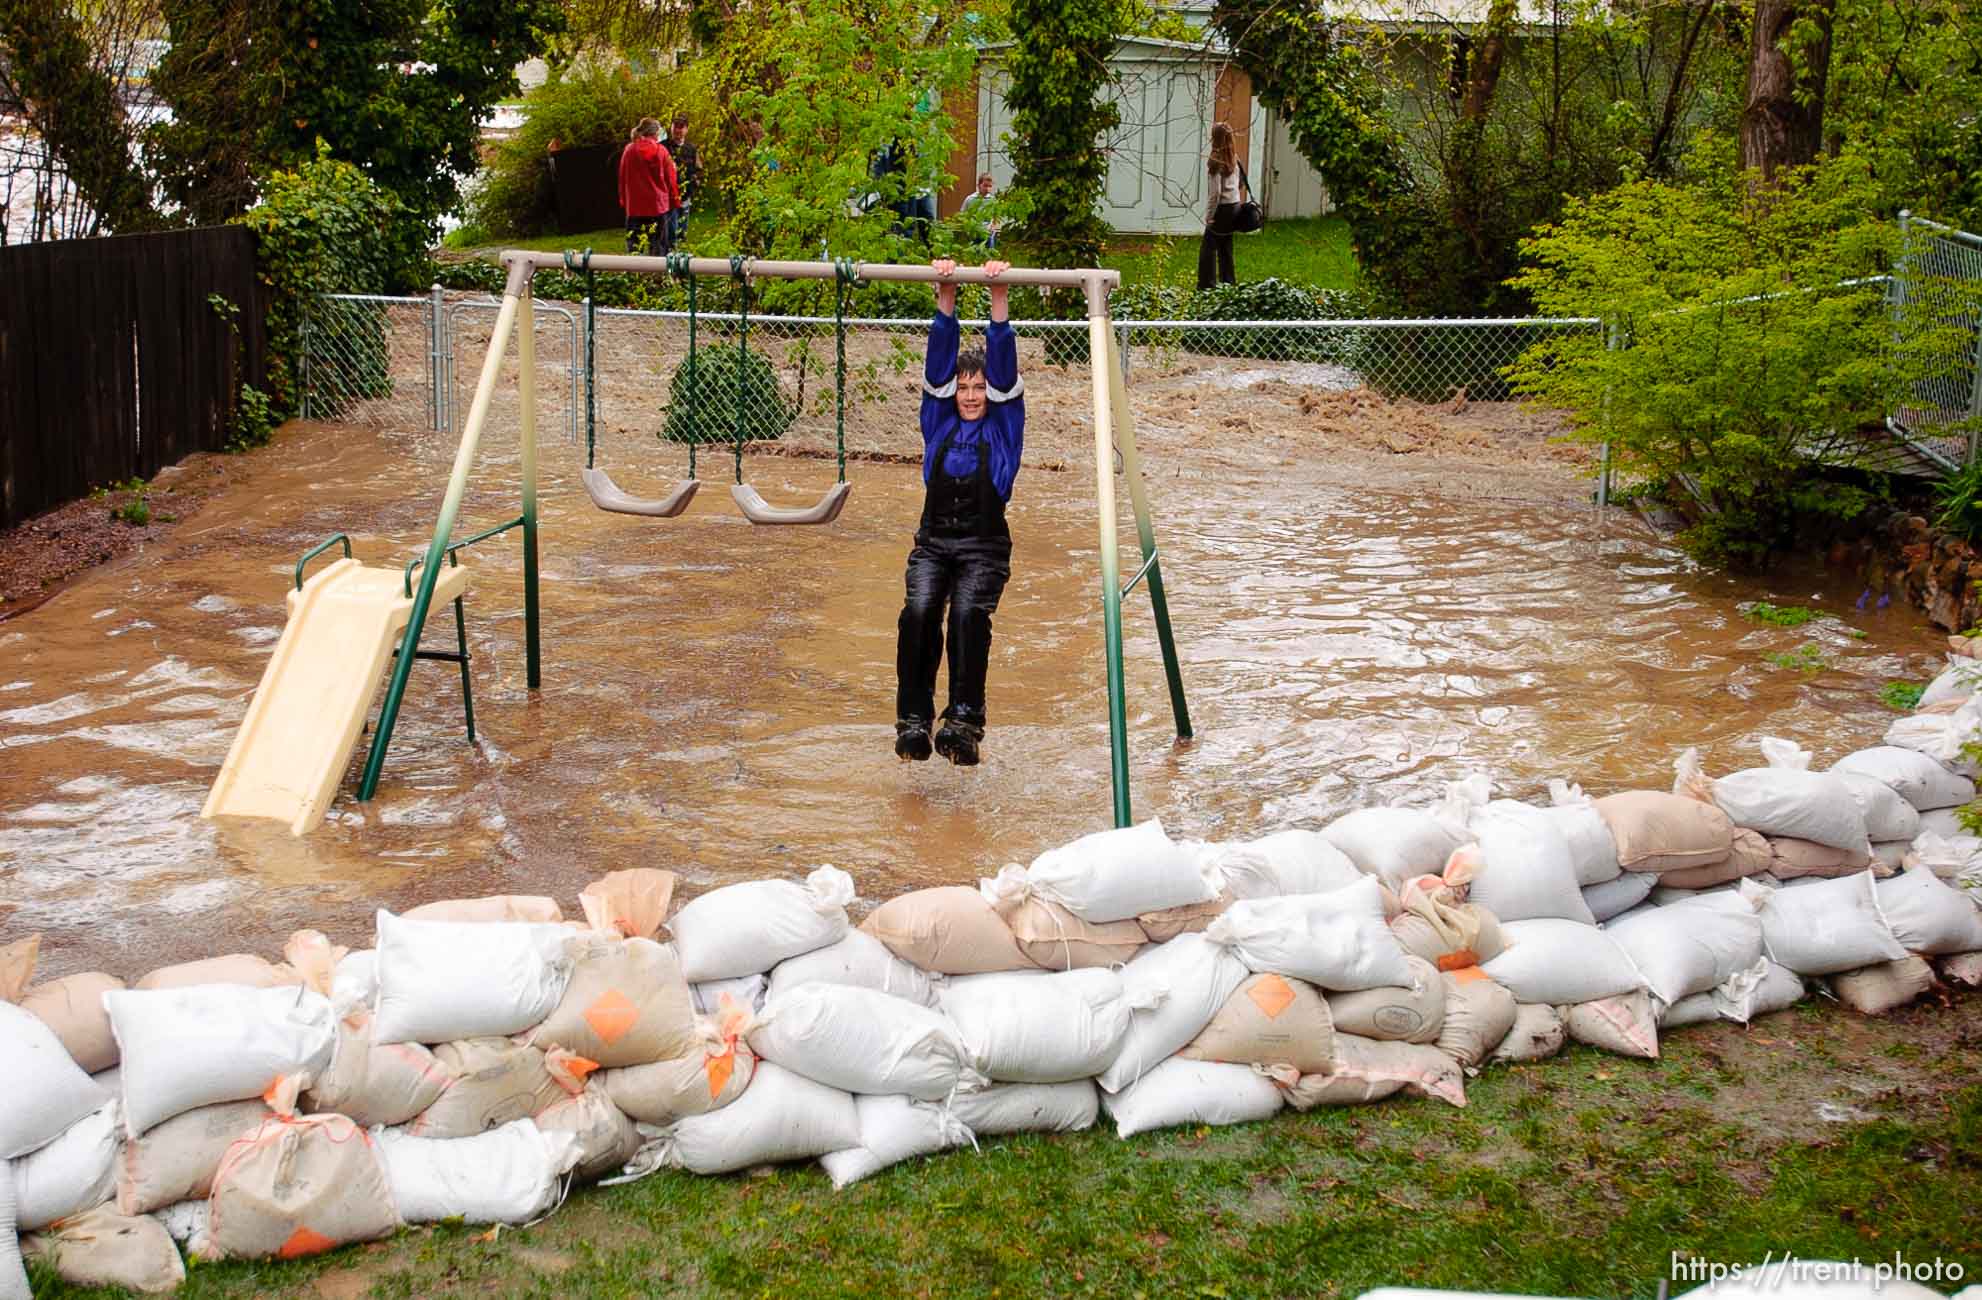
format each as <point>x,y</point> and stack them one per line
<point>648,189</point>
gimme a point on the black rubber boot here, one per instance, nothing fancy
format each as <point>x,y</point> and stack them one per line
<point>958,742</point>
<point>912,740</point>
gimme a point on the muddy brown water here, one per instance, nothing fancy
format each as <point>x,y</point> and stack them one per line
<point>718,698</point>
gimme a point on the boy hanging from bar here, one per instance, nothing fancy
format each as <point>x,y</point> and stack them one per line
<point>973,431</point>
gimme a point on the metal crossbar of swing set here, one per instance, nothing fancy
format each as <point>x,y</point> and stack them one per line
<point>1114,436</point>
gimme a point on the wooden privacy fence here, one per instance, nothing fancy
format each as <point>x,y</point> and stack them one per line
<point>120,356</point>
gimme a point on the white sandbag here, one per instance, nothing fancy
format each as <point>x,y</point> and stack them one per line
<point>1396,844</point>
<point>1411,1012</point>
<point>75,1172</point>
<point>1929,916</point>
<point>1963,968</point>
<point>1615,897</point>
<point>104,1248</point>
<point>1887,815</point>
<point>1759,990</point>
<point>747,929</point>
<point>1785,798</point>
<point>1524,868</point>
<point>1112,875</point>
<point>1479,1013</point>
<point>1942,736</point>
<point>860,1040</point>
<point>894,1129</point>
<point>443,980</point>
<point>1592,848</point>
<point>1957,681</point>
<point>626,1003</point>
<point>1875,990</point>
<point>1028,1107</point>
<point>859,959</point>
<point>1285,862</point>
<point>1174,990</point>
<point>1366,1071</point>
<point>13,1275</point>
<point>1825,926</point>
<point>1912,775</point>
<point>745,992</point>
<point>176,1161</point>
<point>1626,1024</point>
<point>1020,1027</point>
<point>707,1078</point>
<point>512,1174</point>
<point>184,1048</point>
<point>46,1090</point>
<point>605,1134</point>
<point>356,980</point>
<point>1538,1033</point>
<point>1269,1020</point>
<point>1694,1009</point>
<point>781,1116</point>
<point>1560,962</point>
<point>1339,941</point>
<point>1181,1091</point>
<point>188,1222</point>
<point>1955,856</point>
<point>298,1187</point>
<point>1690,947</point>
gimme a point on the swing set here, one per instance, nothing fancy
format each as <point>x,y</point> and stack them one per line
<point>1114,437</point>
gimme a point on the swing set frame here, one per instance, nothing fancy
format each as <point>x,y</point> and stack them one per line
<point>1114,435</point>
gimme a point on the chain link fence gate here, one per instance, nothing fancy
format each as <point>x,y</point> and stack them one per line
<point>1946,257</point>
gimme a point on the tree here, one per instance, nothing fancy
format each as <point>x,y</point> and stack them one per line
<point>1059,63</point>
<point>1782,123</point>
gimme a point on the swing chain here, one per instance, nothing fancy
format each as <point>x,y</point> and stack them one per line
<point>591,302</point>
<point>739,269</point>
<point>678,265</point>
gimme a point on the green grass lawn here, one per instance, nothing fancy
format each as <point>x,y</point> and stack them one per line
<point>1580,1175</point>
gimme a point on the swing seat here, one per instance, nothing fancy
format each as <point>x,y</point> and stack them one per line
<point>759,511</point>
<point>607,495</point>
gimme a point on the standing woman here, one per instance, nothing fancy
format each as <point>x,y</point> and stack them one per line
<point>1221,209</point>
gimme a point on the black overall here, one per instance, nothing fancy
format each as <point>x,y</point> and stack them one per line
<point>962,556</point>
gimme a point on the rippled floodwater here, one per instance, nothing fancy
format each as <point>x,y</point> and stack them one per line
<point>718,699</point>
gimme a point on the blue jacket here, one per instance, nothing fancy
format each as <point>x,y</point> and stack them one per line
<point>1003,425</point>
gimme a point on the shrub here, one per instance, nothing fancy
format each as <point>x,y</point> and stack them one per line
<point>723,376</point>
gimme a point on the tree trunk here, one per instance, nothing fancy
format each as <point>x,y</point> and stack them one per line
<point>1782,122</point>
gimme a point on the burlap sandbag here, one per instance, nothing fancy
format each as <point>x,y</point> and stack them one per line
<point>497,907</point>
<point>1479,1013</point>
<point>1271,1020</point>
<point>1538,1033</point>
<point>17,967</point>
<point>494,1081</point>
<point>1053,938</point>
<point>1660,832</point>
<point>175,1161</point>
<point>626,1004</point>
<point>1410,1013</point>
<point>631,903</point>
<point>234,968</point>
<point>949,930</point>
<point>1748,854</point>
<point>1625,1024</point>
<point>708,1077</point>
<point>1449,934</point>
<point>1793,857</point>
<point>298,1187</point>
<point>376,1083</point>
<point>104,1248</point>
<point>606,1135</point>
<point>1188,918</point>
<point>1365,1070</point>
<point>1875,990</point>
<point>72,1007</point>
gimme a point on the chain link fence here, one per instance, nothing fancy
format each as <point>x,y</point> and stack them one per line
<point>1943,273</point>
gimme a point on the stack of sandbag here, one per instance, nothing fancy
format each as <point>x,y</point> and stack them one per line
<point>1396,844</point>
<point>1815,822</point>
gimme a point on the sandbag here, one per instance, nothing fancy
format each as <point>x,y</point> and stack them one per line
<point>950,930</point>
<point>1824,927</point>
<point>356,980</point>
<point>1748,854</point>
<point>375,1083</point>
<point>533,909</point>
<point>1479,1013</point>
<point>1957,681</point>
<point>1269,1020</point>
<point>1537,1034</point>
<point>1695,1009</point>
<point>781,1116</point>
<point>1757,991</point>
<point>46,1091</point>
<point>443,980</point>
<point>1028,1107</point>
<point>1021,1027</point>
<point>1793,858</point>
<point>1785,798</point>
<point>1912,775</point>
<point>1887,815</point>
<point>73,1008</point>
<point>1963,968</point>
<point>1524,866</point>
<point>705,1078</point>
<point>75,1172</point>
<point>314,958</point>
<point>1191,918</point>
<point>625,1004</point>
<point>1592,850</point>
<point>183,1048</point>
<point>605,1135</point>
<point>17,961</point>
<point>1113,875</point>
<point>1955,856</point>
<point>1659,832</point>
<point>745,992</point>
<point>1338,941</point>
<point>1875,990</point>
<point>104,1248</point>
<point>1626,1024</point>
<point>632,904</point>
<point>296,1187</point>
<point>1929,916</point>
<point>1285,862</point>
<point>748,928</point>
<point>1690,947</point>
<point>1366,1070</point>
<point>859,1040</point>
<point>1561,962</point>
<point>1395,844</point>
<point>858,959</point>
<point>1411,1012</point>
<point>1174,990</point>
<point>1614,897</point>
<point>894,1129</point>
<point>1941,736</point>
<point>1890,855</point>
<point>512,1174</point>
<point>1053,938</point>
<point>13,1275</point>
<point>494,1082</point>
<point>1181,1091</point>
<point>234,968</point>
<point>176,1160</point>
<point>1450,935</point>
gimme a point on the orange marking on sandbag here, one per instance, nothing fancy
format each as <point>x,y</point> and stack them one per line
<point>1467,974</point>
<point>303,1242</point>
<point>719,1069</point>
<point>612,1017</point>
<point>1272,995</point>
<point>1458,961</point>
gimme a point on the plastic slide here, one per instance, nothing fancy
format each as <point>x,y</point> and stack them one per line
<point>296,741</point>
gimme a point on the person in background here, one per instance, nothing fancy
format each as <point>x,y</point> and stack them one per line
<point>648,189</point>
<point>688,171</point>
<point>979,199</point>
<point>1221,209</point>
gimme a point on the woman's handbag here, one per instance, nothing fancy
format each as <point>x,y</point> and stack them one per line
<point>1250,216</point>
